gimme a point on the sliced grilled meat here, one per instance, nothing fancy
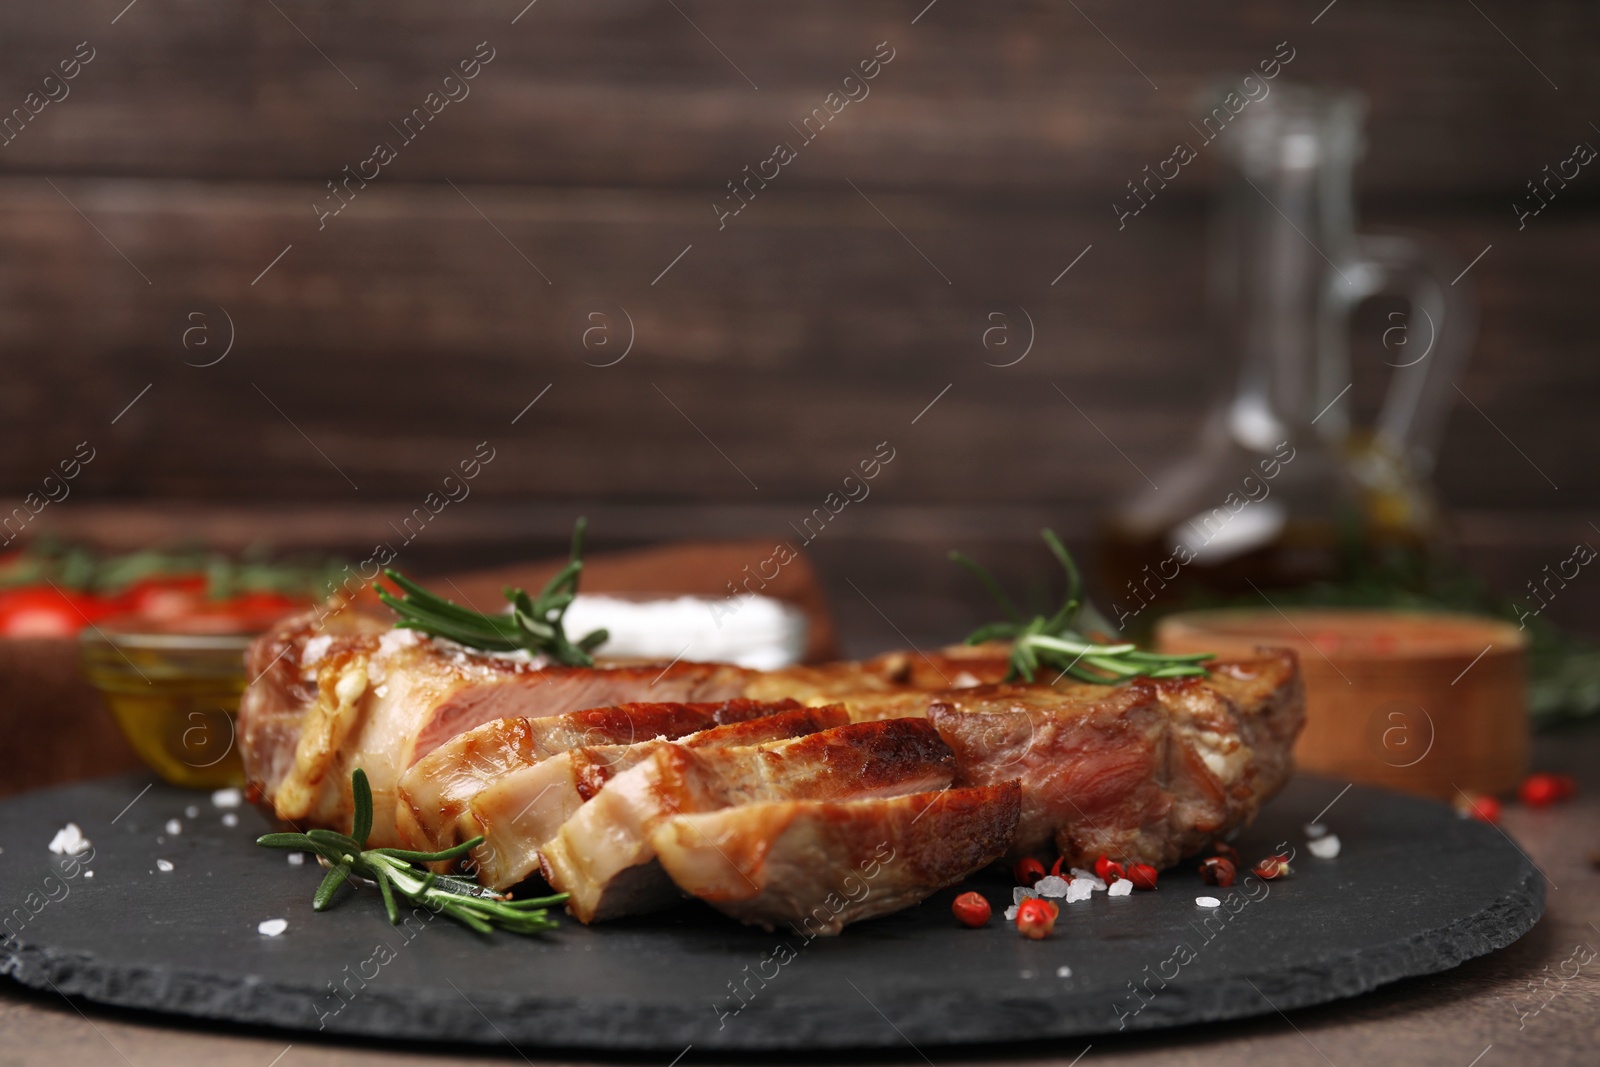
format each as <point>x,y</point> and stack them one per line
<point>522,809</point>
<point>815,865</point>
<point>603,857</point>
<point>434,792</point>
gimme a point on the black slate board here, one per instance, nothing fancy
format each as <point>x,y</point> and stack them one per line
<point>1415,890</point>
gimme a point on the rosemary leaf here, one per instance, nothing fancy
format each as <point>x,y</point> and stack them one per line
<point>330,885</point>
<point>392,869</point>
<point>534,624</point>
<point>1053,643</point>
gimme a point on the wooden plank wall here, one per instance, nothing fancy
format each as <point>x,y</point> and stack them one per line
<point>171,189</point>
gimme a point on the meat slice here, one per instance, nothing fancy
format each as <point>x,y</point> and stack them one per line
<point>602,856</point>
<point>330,695</point>
<point>433,793</point>
<point>815,865</point>
<point>1145,772</point>
<point>522,809</point>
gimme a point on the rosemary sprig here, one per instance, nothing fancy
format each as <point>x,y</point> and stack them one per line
<point>1054,643</point>
<point>534,623</point>
<point>347,855</point>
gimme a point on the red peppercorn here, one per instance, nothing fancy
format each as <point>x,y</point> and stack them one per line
<point>1215,870</point>
<point>1028,871</point>
<point>1539,790</point>
<point>1055,868</point>
<point>1482,806</point>
<point>1036,918</point>
<point>1107,870</point>
<point>1272,867</point>
<point>1226,851</point>
<point>970,909</point>
<point>1142,875</point>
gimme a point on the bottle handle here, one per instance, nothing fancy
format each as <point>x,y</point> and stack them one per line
<point>1429,351</point>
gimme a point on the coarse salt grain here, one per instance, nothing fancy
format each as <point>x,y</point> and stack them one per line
<point>163,865</point>
<point>174,827</point>
<point>1079,890</point>
<point>1094,880</point>
<point>88,874</point>
<point>1011,912</point>
<point>230,819</point>
<point>1051,886</point>
<point>1063,971</point>
<point>227,798</point>
<point>1207,902</point>
<point>1019,893</point>
<point>69,841</point>
<point>1120,888</point>
<point>1324,848</point>
<point>192,812</point>
<point>296,858</point>
<point>272,927</point>
<point>1314,830</point>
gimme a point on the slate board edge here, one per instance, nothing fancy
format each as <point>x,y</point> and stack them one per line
<point>619,1025</point>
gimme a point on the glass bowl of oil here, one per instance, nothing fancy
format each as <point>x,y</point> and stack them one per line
<point>174,688</point>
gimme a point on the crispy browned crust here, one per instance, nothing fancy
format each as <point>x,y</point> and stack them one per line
<point>860,759</point>
<point>593,767</point>
<point>1146,772</point>
<point>893,672</point>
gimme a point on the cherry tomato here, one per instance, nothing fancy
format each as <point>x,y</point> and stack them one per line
<point>166,597</point>
<point>41,611</point>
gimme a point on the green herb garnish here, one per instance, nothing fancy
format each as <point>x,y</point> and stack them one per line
<point>1053,642</point>
<point>396,876</point>
<point>533,625</point>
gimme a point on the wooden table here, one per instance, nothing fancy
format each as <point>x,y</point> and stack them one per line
<point>1468,1016</point>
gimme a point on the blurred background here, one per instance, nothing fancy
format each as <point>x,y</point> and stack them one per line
<point>256,357</point>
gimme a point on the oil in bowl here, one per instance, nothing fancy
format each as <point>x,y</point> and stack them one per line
<point>174,689</point>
